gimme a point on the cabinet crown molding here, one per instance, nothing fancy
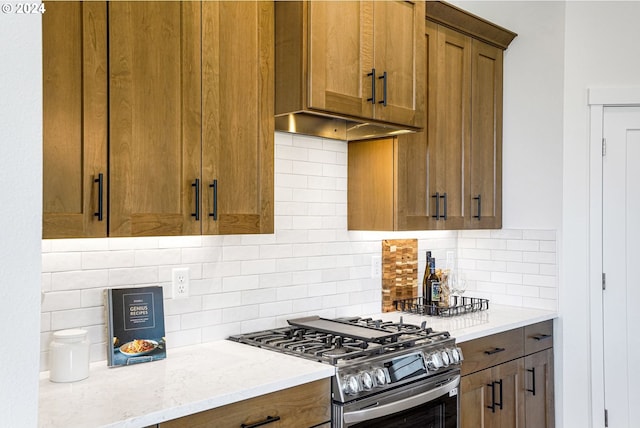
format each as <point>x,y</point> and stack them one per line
<point>472,25</point>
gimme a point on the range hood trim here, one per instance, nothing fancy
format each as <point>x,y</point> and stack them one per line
<point>337,127</point>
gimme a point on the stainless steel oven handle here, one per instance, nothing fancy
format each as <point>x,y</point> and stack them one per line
<point>401,405</point>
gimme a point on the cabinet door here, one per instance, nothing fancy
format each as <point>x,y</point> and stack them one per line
<point>74,47</point>
<point>154,101</point>
<point>340,40</point>
<point>485,161</point>
<point>493,397</point>
<point>512,397</point>
<point>449,109</point>
<point>416,178</point>
<point>475,396</point>
<point>399,52</point>
<point>539,393</point>
<point>238,130</point>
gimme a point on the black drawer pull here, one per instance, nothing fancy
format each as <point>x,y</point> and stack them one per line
<point>372,100</point>
<point>533,381</point>
<point>214,186</point>
<point>196,186</point>
<point>100,181</point>
<point>479,199</point>
<point>437,196</point>
<point>493,397</point>
<point>494,351</point>
<point>259,424</point>
<point>499,382</point>
<point>384,89</point>
<point>539,337</point>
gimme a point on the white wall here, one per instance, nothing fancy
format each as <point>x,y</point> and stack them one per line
<point>20,216</point>
<point>601,51</point>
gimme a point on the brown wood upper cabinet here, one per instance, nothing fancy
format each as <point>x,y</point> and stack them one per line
<point>74,61</point>
<point>190,120</point>
<point>357,59</point>
<point>448,176</point>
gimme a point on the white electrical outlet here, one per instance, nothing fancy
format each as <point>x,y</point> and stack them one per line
<point>376,267</point>
<point>180,283</point>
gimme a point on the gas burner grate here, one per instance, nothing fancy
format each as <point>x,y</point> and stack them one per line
<point>460,306</point>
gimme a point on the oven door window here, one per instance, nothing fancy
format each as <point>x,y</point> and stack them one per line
<point>439,413</point>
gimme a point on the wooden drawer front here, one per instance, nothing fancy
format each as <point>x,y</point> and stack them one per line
<point>492,350</point>
<point>538,337</point>
<point>301,406</point>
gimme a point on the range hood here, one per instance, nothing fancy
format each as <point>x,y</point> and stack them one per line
<point>337,128</point>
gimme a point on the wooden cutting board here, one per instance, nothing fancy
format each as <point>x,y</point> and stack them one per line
<point>399,271</point>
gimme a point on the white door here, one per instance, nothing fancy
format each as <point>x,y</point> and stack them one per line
<point>621,264</point>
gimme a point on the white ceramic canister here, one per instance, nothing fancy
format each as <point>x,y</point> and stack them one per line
<point>69,356</point>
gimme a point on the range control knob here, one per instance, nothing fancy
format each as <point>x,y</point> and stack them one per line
<point>435,361</point>
<point>367,380</point>
<point>445,358</point>
<point>379,376</point>
<point>351,386</point>
<point>456,355</point>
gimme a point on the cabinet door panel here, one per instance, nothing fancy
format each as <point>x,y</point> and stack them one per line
<point>451,107</point>
<point>154,57</point>
<point>237,146</point>
<point>475,396</point>
<point>539,407</point>
<point>511,374</point>
<point>340,56</point>
<point>399,47</point>
<point>486,144</point>
<point>74,38</point>
<point>416,180</point>
<point>482,390</point>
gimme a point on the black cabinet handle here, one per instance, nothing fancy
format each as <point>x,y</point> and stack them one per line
<point>539,337</point>
<point>269,420</point>
<point>437,196</point>
<point>499,382</point>
<point>444,196</point>
<point>493,397</point>
<point>100,181</point>
<point>533,380</point>
<point>494,351</point>
<point>373,86</point>
<point>196,184</point>
<point>214,186</point>
<point>479,199</point>
<point>384,88</point>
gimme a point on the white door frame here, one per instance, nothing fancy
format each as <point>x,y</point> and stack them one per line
<point>598,99</point>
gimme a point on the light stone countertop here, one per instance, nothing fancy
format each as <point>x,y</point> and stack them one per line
<point>201,377</point>
<point>471,326</point>
<point>190,380</point>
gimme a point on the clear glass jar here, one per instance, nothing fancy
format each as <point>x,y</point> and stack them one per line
<point>69,356</point>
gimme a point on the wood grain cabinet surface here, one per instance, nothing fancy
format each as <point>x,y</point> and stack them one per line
<point>507,383</point>
<point>448,176</point>
<point>302,406</point>
<point>189,114</point>
<point>357,59</point>
<point>74,62</point>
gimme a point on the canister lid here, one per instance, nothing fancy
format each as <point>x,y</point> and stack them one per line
<point>71,335</point>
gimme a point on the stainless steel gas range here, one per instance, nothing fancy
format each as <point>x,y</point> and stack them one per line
<point>388,374</point>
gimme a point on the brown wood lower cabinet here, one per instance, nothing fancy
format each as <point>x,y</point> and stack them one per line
<point>302,406</point>
<point>507,379</point>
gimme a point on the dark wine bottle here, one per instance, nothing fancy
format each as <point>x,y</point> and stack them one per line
<point>433,283</point>
<point>426,291</point>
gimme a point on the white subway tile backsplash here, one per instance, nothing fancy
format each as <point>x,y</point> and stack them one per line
<point>311,265</point>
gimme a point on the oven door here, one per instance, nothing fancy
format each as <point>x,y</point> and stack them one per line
<point>431,403</point>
